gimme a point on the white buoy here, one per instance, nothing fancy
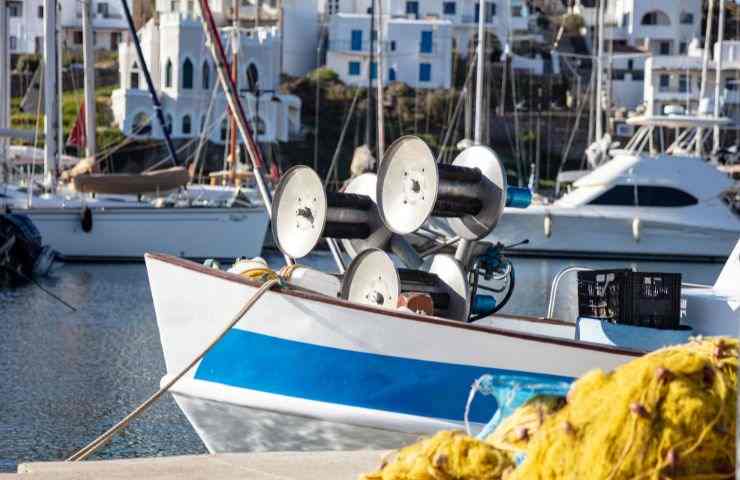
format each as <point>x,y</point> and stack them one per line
<point>548,225</point>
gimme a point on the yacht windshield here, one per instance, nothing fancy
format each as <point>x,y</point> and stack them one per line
<point>645,196</point>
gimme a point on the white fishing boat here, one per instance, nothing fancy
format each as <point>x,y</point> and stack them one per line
<point>342,366</point>
<point>103,217</point>
<point>646,202</point>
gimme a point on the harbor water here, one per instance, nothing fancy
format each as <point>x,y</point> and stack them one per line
<point>65,376</point>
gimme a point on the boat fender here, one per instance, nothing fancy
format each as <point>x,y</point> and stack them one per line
<point>254,269</point>
<point>86,220</point>
<point>548,224</point>
<point>483,305</point>
<point>312,280</point>
<point>636,229</point>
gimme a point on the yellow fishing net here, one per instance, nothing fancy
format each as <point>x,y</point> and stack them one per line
<point>667,415</point>
<point>448,455</point>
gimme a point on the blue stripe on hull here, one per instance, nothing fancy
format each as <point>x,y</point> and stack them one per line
<point>380,382</point>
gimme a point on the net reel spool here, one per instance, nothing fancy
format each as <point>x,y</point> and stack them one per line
<point>470,193</point>
<point>304,212</point>
<point>373,279</point>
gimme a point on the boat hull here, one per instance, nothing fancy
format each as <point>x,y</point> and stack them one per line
<point>126,234</point>
<point>304,355</point>
<point>591,233</point>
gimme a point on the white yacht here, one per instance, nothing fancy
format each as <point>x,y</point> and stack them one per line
<point>646,202</point>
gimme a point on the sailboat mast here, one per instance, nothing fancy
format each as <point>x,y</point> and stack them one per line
<point>51,100</point>
<point>718,75</point>
<point>380,70</point>
<point>465,246</point>
<point>234,72</point>
<point>4,85</point>
<point>88,52</point>
<point>369,113</point>
<point>149,83</point>
<point>600,73</point>
<point>704,71</point>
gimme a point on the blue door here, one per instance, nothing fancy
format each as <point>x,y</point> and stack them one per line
<point>391,74</point>
<point>426,41</point>
<point>356,40</point>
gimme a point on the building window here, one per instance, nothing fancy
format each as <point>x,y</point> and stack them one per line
<point>15,9</point>
<point>517,11</point>
<point>115,39</point>
<point>78,37</point>
<point>630,64</point>
<point>168,124</point>
<point>665,82</point>
<point>253,77</point>
<point>656,17</point>
<point>638,75</point>
<point>191,6</point>
<point>38,44</point>
<point>412,8</point>
<point>449,8</point>
<point>391,74</point>
<point>173,5</point>
<point>687,18</point>
<point>202,123</point>
<point>95,38</point>
<point>426,42</point>
<point>425,72</point>
<point>186,125</point>
<point>103,9</point>
<point>490,12</point>
<point>187,74</point>
<point>142,125</point>
<point>682,48</point>
<point>40,11</point>
<point>224,130</point>
<point>134,79</point>
<point>356,40</point>
<point>13,40</point>
<point>683,84</point>
<point>618,74</point>
<point>665,48</point>
<point>332,6</point>
<point>373,70</point>
<point>168,74</point>
<point>393,45</point>
<point>354,68</point>
<point>206,74</point>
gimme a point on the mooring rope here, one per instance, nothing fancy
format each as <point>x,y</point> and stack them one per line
<point>98,442</point>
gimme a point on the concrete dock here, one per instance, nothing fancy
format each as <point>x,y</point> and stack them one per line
<point>241,466</point>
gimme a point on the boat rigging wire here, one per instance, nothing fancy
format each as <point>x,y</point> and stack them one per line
<point>91,447</point>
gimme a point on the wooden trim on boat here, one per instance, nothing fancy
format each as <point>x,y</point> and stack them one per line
<point>187,264</point>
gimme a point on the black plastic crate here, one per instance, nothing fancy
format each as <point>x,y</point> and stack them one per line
<point>644,299</point>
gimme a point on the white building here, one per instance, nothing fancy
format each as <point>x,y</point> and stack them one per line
<point>639,29</point>
<point>26,26</point>
<point>420,37</point>
<point>184,75</point>
<point>416,52</point>
<point>676,81</point>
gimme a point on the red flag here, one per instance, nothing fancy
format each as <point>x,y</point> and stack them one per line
<point>77,136</point>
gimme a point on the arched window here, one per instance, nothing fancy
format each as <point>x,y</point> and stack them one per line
<point>187,127</point>
<point>168,74</point>
<point>206,76</point>
<point>252,77</point>
<point>187,74</point>
<point>168,126</point>
<point>656,17</point>
<point>224,130</point>
<point>134,77</point>
<point>142,124</point>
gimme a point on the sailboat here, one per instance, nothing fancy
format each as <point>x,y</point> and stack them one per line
<point>109,224</point>
<point>326,359</point>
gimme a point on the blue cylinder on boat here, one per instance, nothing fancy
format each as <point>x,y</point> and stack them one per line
<point>483,304</point>
<point>518,197</point>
